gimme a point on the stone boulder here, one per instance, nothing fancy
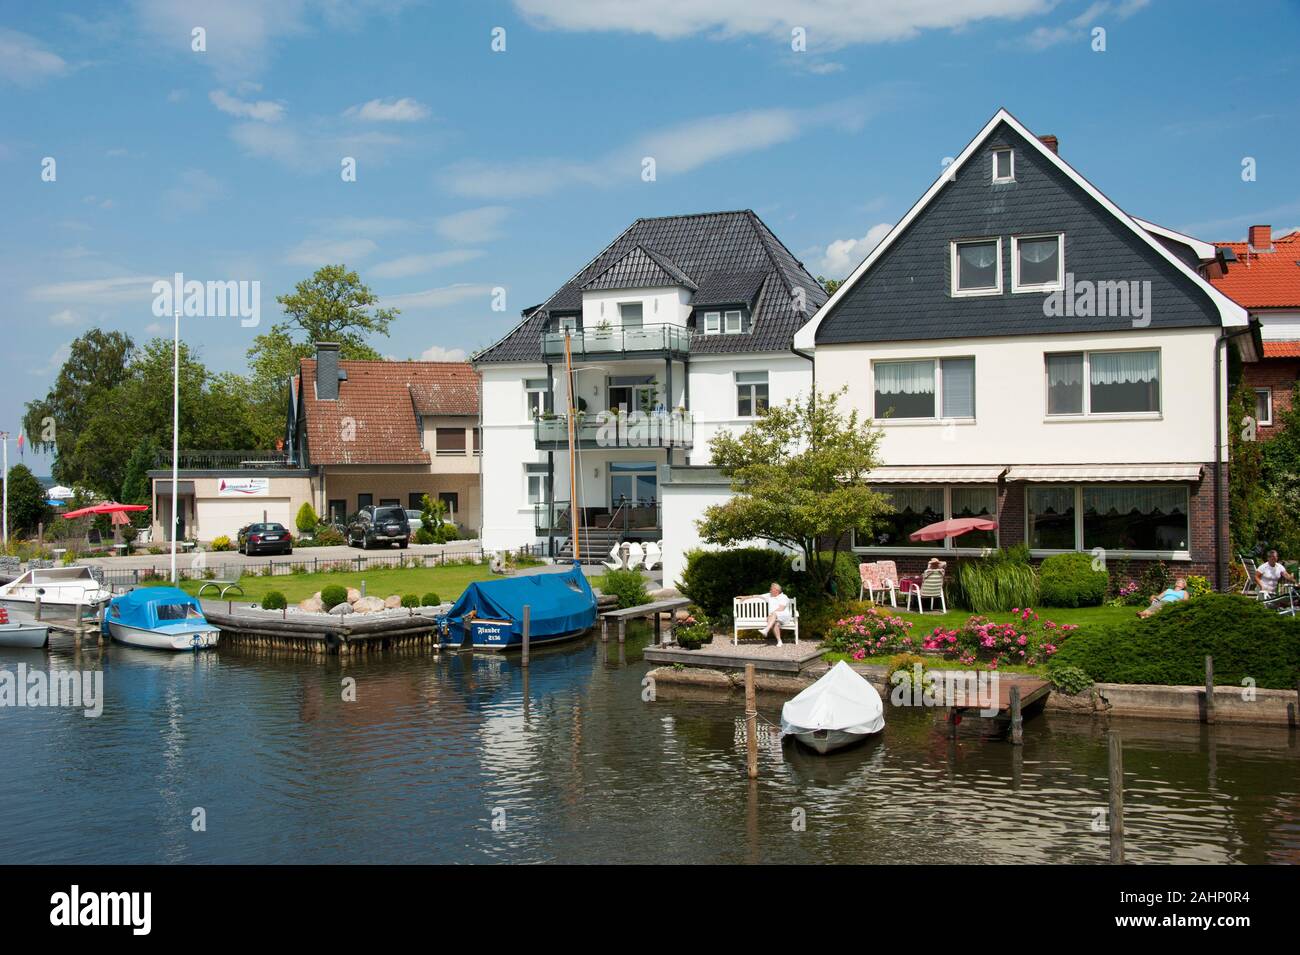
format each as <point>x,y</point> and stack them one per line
<point>312,605</point>
<point>368,604</point>
<point>341,609</point>
<point>353,595</point>
<point>392,602</point>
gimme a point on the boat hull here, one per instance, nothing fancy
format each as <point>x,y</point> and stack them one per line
<point>30,635</point>
<point>53,608</point>
<point>828,741</point>
<point>163,640</point>
<point>500,635</point>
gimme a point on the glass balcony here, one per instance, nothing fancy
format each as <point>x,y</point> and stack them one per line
<point>607,429</point>
<point>614,343</point>
<point>641,519</point>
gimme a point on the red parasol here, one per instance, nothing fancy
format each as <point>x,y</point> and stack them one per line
<point>108,507</point>
<point>953,528</point>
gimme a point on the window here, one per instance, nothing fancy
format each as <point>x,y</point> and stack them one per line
<point>629,314</point>
<point>1135,518</point>
<point>915,389</point>
<point>452,500</point>
<point>364,501</point>
<point>712,323</point>
<point>338,511</point>
<point>538,483</point>
<point>751,393</point>
<point>476,441</point>
<point>1037,263</point>
<point>414,500</point>
<point>977,267</point>
<point>1004,165</point>
<point>451,441</point>
<point>975,501</point>
<point>733,323</point>
<point>632,393</point>
<point>915,507</point>
<point>568,323</point>
<point>1264,406</point>
<point>535,390</point>
<point>1050,521</point>
<point>1122,382</point>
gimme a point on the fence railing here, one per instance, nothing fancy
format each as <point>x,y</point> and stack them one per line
<point>607,429</point>
<point>616,342</point>
<point>218,460</point>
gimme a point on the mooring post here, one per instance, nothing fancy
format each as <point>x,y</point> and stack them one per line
<point>604,629</point>
<point>622,629</point>
<point>658,629</point>
<point>1017,724</point>
<point>528,615</point>
<point>99,623</point>
<point>751,723</point>
<point>1116,760</point>
<point>36,607</point>
<point>1209,689</point>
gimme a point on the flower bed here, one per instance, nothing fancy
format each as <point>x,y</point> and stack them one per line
<point>1027,640</point>
<point>871,634</point>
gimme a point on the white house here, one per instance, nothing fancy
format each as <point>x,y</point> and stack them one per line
<point>682,326</point>
<point>1033,353</point>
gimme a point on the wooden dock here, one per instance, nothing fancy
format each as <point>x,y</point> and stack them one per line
<point>322,633</point>
<point>641,612</point>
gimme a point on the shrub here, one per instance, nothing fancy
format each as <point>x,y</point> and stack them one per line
<point>1027,640</point>
<point>1198,586</point>
<point>846,581</point>
<point>274,600</point>
<point>713,578</point>
<point>221,543</point>
<point>873,633</point>
<point>906,665</point>
<point>695,631</point>
<point>410,600</point>
<point>1246,639</point>
<point>307,519</point>
<point>1068,580</point>
<point>333,595</point>
<point>999,581</point>
<point>425,536</point>
<point>430,600</point>
<point>326,537</point>
<point>1069,680</point>
<point>627,585</point>
<point>1155,579</point>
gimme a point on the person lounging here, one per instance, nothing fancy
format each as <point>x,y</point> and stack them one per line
<point>1168,596</point>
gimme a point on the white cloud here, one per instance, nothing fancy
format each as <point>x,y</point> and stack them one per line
<point>438,297</point>
<point>830,24</point>
<point>266,111</point>
<point>842,255</point>
<point>240,33</point>
<point>438,353</point>
<point>404,110</point>
<point>193,192</point>
<point>318,252</point>
<point>24,60</point>
<point>313,149</point>
<point>1078,26</point>
<point>472,225</point>
<point>102,291</point>
<point>176,96</point>
<point>409,265</point>
<point>65,317</point>
<point>57,358</point>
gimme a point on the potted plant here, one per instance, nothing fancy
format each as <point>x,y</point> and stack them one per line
<point>695,631</point>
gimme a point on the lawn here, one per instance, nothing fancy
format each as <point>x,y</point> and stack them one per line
<point>447,582</point>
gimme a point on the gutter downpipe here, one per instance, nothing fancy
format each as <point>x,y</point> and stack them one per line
<point>1219,345</point>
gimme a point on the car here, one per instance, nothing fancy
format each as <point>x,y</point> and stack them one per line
<point>381,524</point>
<point>267,538</point>
<point>415,520</point>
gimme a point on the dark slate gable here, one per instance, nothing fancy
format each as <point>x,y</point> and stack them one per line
<point>641,268</point>
<point>905,295</point>
<point>734,252</point>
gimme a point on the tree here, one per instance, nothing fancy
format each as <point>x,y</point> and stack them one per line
<point>1246,457</point>
<point>830,285</point>
<point>307,518</point>
<point>799,478</point>
<point>27,507</point>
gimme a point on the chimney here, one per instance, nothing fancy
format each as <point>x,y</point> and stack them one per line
<point>327,371</point>
<point>1260,238</point>
<point>1050,142</point>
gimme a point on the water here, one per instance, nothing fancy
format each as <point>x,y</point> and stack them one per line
<point>580,769</point>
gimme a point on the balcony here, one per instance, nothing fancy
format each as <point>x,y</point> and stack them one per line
<point>228,460</point>
<point>648,341</point>
<point>635,520</point>
<point>607,429</point>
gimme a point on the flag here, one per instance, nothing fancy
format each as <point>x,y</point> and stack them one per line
<point>20,444</point>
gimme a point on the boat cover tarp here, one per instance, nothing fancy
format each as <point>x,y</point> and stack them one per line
<point>139,607</point>
<point>841,700</point>
<point>559,603</point>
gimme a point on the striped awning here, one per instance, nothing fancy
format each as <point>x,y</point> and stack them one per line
<point>945,474</point>
<point>1105,472</point>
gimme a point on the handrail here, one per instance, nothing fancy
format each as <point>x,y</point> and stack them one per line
<point>612,341</point>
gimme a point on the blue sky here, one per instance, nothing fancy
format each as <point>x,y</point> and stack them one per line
<point>479,169</point>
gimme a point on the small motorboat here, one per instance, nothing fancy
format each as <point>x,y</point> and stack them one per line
<point>159,618</point>
<point>490,613</point>
<point>838,710</point>
<point>64,591</point>
<point>22,631</point>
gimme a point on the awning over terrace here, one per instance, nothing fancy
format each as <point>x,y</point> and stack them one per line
<point>945,474</point>
<point>1105,472</point>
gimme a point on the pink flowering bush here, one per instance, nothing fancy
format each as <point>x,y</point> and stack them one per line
<point>871,634</point>
<point>1027,640</point>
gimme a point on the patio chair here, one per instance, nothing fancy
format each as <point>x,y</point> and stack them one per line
<point>889,576</point>
<point>654,554</point>
<point>1251,587</point>
<point>932,589</point>
<point>615,561</point>
<point>93,537</point>
<point>873,582</point>
<point>635,554</point>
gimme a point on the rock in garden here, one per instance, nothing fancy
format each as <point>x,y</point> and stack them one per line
<point>341,609</point>
<point>312,605</point>
<point>368,604</point>
<point>392,601</point>
<point>353,595</point>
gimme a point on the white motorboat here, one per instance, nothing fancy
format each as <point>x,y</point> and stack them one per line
<point>159,618</point>
<point>839,709</point>
<point>64,591</point>
<point>20,630</point>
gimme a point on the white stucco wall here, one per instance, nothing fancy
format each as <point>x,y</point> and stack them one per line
<point>713,391</point>
<point>659,306</point>
<point>507,446</point>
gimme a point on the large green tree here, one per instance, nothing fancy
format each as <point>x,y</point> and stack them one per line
<point>27,507</point>
<point>799,477</point>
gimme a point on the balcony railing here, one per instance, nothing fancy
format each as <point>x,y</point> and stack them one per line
<point>554,517</point>
<point>226,460</point>
<point>648,340</point>
<point>607,429</point>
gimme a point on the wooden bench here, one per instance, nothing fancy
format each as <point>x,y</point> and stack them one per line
<point>750,613</point>
<point>223,586</point>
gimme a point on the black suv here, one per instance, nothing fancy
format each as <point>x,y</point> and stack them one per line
<point>265,539</point>
<point>385,524</point>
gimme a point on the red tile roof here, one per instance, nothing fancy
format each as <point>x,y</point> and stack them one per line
<point>1282,349</point>
<point>1263,279</point>
<point>374,421</point>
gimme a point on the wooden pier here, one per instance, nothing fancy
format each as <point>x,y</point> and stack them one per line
<point>342,634</point>
<point>641,612</point>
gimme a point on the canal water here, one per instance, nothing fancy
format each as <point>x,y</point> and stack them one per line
<point>469,759</point>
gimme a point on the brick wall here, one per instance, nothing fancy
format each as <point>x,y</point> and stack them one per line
<point>1278,374</point>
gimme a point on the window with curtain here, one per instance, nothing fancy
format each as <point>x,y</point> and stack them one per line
<point>535,395</point>
<point>913,508</point>
<point>1065,383</point>
<point>1123,382</point>
<point>1039,263</point>
<point>712,323</point>
<point>979,501</point>
<point>976,266</point>
<point>1051,517</point>
<point>905,389</point>
<point>1264,406</point>
<point>1135,517</point>
<point>957,383</point>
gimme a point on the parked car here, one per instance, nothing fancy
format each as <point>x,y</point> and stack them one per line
<point>415,521</point>
<point>267,538</point>
<point>379,525</point>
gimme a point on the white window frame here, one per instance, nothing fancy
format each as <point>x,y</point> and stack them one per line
<point>726,322</point>
<point>753,400</point>
<point>948,546</point>
<point>529,410</point>
<point>1010,152</point>
<point>713,323</point>
<point>529,474</point>
<point>1080,546</point>
<point>622,320</point>
<point>953,247</point>
<point>1016,284</point>
<point>938,416</point>
<point>1087,412</point>
<point>1268,397</point>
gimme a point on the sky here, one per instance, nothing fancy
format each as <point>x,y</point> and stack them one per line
<point>499,146</point>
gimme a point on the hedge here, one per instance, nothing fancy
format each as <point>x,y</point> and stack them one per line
<point>713,578</point>
<point>1246,639</point>
<point>1069,580</point>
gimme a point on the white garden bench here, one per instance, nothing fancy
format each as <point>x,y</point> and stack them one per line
<point>750,613</point>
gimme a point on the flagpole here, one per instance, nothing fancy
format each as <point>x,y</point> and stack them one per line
<point>4,436</point>
<point>176,424</point>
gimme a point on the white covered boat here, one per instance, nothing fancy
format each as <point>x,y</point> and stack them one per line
<point>839,709</point>
<point>159,618</point>
<point>64,591</point>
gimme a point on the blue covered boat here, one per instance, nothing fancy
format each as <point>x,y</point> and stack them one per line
<point>159,618</point>
<point>490,613</point>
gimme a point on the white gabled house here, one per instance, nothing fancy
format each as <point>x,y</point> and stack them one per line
<point>680,327</point>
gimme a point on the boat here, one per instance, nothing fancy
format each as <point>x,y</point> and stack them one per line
<point>490,613</point>
<point>159,618</point>
<point>64,591</point>
<point>22,631</point>
<point>838,710</point>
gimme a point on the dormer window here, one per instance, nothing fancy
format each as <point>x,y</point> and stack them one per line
<point>1004,165</point>
<point>712,323</point>
<point>731,322</point>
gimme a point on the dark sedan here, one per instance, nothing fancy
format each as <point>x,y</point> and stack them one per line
<point>265,539</point>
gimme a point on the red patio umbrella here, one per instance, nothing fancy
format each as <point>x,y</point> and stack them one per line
<point>108,507</point>
<point>953,528</point>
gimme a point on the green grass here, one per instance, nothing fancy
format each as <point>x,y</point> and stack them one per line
<point>447,582</point>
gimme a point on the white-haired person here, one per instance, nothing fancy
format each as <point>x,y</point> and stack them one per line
<point>778,612</point>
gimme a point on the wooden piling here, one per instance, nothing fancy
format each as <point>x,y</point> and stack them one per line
<point>751,723</point>
<point>1209,689</point>
<point>622,629</point>
<point>604,630</point>
<point>1017,723</point>
<point>36,607</point>
<point>528,617</point>
<point>1115,750</point>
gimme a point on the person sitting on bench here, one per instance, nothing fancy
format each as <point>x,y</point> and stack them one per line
<point>1171,595</point>
<point>778,612</point>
